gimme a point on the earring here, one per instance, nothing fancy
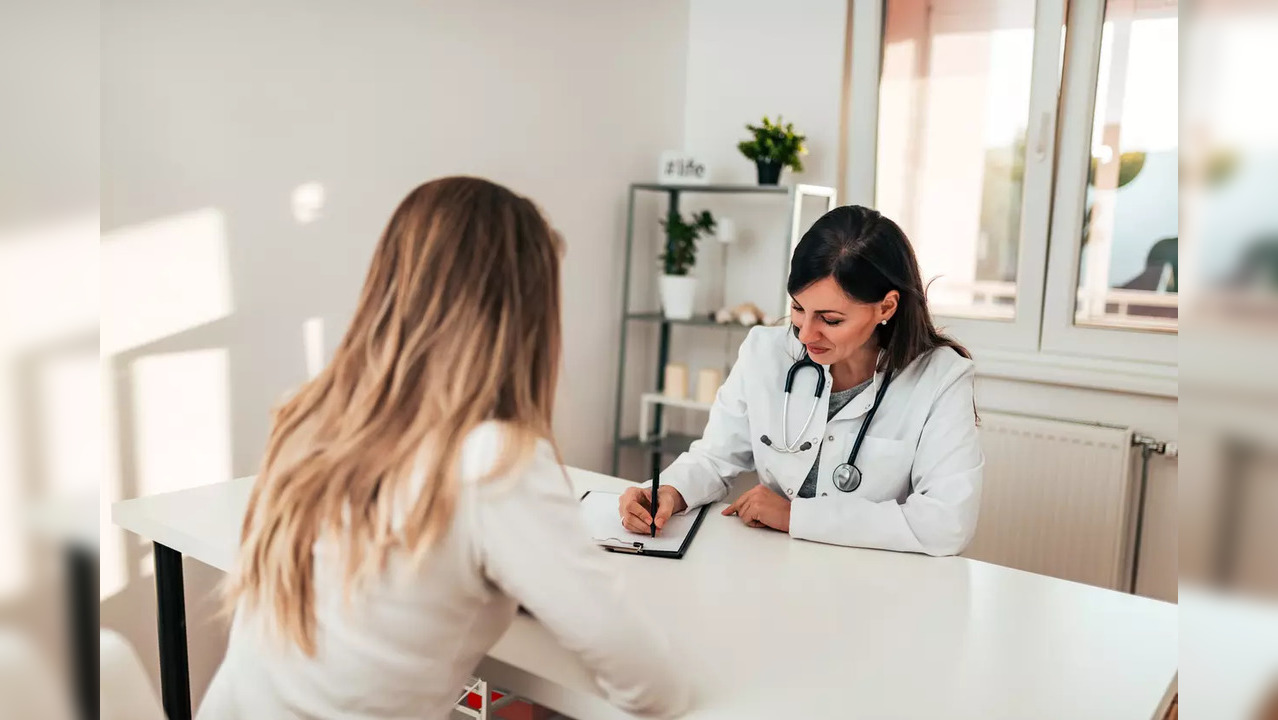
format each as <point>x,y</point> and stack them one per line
<point>883,321</point>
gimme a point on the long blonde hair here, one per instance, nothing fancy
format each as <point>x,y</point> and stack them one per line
<point>458,323</point>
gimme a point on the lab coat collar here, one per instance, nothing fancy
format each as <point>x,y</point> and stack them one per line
<point>860,404</point>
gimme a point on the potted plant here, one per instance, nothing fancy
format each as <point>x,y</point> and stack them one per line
<point>773,147</point>
<point>677,287</point>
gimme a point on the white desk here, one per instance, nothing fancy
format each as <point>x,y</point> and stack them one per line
<point>770,627</point>
<point>1230,651</point>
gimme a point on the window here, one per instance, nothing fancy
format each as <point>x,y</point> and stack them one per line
<point>1128,264</point>
<point>1232,168</point>
<point>954,108</point>
<point>1030,154</point>
<point>1113,274</point>
<point>967,105</point>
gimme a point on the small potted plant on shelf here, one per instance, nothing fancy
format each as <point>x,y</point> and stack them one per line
<point>677,287</point>
<point>773,147</point>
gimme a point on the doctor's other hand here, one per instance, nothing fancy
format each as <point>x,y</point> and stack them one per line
<point>760,507</point>
<point>634,504</point>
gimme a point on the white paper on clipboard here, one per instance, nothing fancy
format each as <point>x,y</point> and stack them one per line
<point>599,510</point>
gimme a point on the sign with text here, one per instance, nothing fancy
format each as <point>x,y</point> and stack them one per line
<point>681,168</point>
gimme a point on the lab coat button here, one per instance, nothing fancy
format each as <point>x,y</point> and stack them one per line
<point>831,438</point>
<point>789,492</point>
<point>824,494</point>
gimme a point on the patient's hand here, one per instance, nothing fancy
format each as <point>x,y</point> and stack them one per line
<point>634,504</point>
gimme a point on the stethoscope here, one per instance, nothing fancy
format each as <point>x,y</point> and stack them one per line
<point>847,476</point>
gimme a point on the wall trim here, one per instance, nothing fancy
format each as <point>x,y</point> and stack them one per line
<point>1136,378</point>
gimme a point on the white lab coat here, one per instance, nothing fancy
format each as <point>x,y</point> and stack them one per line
<point>921,458</point>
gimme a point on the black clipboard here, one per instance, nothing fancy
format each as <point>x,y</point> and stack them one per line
<point>673,554</point>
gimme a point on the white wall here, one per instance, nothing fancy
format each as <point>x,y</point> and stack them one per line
<point>48,336</point>
<point>213,114</point>
<point>747,59</point>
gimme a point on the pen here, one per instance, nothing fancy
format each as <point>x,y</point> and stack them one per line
<point>656,486</point>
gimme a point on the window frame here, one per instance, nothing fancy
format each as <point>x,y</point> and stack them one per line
<point>1060,333</point>
<point>1022,332</point>
<point>1064,83</point>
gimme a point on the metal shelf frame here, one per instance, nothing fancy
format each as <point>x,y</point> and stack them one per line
<point>672,445</point>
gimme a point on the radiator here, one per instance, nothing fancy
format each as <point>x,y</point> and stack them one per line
<point>1058,499</point>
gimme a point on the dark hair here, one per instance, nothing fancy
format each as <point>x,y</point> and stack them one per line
<point>868,255</point>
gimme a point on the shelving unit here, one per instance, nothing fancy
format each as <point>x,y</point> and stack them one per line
<point>647,401</point>
<point>675,443</point>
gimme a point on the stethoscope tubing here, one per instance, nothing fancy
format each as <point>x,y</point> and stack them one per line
<point>852,471</point>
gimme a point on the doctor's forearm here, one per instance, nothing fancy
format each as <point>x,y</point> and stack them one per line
<point>920,525</point>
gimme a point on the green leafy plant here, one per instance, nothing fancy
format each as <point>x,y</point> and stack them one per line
<point>681,240</point>
<point>1129,166</point>
<point>776,142</point>
<point>1221,166</point>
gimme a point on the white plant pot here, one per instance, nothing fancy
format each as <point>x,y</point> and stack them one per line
<point>677,294</point>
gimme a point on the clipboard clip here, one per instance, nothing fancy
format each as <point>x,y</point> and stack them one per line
<point>635,546</point>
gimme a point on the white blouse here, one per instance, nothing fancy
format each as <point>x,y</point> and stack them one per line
<point>407,644</point>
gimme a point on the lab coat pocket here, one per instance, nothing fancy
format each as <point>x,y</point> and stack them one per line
<point>885,469</point>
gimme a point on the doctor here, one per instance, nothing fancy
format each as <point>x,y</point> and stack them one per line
<point>858,416</point>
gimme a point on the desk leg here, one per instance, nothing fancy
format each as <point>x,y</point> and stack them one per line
<point>170,612</point>
<point>82,588</point>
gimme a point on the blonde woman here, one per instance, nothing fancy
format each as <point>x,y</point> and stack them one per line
<point>411,496</point>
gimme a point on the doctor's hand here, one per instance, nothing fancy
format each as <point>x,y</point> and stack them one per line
<point>760,507</point>
<point>634,504</point>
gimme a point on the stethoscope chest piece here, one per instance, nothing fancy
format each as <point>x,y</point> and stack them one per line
<point>847,478</point>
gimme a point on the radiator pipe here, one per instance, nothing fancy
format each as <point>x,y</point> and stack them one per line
<point>1148,448</point>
